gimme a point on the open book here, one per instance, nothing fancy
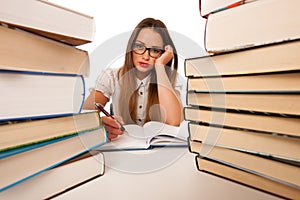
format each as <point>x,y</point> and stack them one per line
<point>152,134</point>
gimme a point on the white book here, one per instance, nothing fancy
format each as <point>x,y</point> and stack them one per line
<point>39,95</point>
<point>48,19</point>
<point>211,6</point>
<point>149,135</point>
<point>258,23</point>
<point>25,51</point>
<point>58,180</point>
<point>26,165</point>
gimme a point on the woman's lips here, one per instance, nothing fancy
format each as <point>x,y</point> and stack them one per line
<point>142,64</point>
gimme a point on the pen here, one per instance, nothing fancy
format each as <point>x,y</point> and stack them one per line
<point>100,107</point>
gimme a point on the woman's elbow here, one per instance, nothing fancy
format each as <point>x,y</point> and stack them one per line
<point>175,121</point>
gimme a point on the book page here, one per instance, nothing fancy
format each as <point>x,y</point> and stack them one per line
<point>153,132</point>
<point>135,131</point>
<point>163,134</point>
<point>150,130</point>
<point>125,141</point>
<point>167,140</point>
<point>154,128</point>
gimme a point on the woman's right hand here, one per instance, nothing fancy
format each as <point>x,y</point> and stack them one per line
<point>166,56</point>
<point>112,127</point>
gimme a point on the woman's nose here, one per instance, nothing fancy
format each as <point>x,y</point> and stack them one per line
<point>146,55</point>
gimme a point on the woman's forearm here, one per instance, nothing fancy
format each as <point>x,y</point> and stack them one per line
<point>169,100</point>
<point>94,96</point>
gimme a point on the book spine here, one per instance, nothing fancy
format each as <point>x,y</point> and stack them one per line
<point>229,6</point>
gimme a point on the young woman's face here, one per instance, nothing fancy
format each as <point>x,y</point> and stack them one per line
<point>143,62</point>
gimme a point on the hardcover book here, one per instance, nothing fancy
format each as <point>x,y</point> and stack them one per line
<point>212,6</point>
<point>49,20</point>
<point>66,177</point>
<point>20,167</point>
<point>281,57</point>
<point>267,83</point>
<point>284,104</point>
<point>253,24</point>
<point>24,51</point>
<point>28,94</point>
<point>248,141</point>
<point>20,136</point>
<point>281,172</point>
<point>247,178</point>
<point>245,120</point>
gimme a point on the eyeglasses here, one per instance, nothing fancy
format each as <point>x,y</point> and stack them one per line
<point>140,49</point>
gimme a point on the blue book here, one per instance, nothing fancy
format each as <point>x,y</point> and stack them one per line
<point>28,94</point>
<point>20,167</point>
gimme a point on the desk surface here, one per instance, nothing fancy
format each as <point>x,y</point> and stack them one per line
<point>130,175</point>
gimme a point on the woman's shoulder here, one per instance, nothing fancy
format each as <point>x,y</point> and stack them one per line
<point>107,81</point>
<point>109,74</point>
<point>111,71</point>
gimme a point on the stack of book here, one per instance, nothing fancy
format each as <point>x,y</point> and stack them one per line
<point>42,124</point>
<point>243,97</point>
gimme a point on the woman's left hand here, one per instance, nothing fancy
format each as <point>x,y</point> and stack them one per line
<point>166,56</point>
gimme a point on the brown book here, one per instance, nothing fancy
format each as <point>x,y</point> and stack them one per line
<point>247,178</point>
<point>49,20</point>
<point>252,24</point>
<point>277,171</point>
<point>258,122</point>
<point>257,102</point>
<point>273,82</point>
<point>262,59</point>
<point>16,136</point>
<point>24,51</point>
<point>280,146</point>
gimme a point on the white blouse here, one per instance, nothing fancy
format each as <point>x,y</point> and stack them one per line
<point>107,82</point>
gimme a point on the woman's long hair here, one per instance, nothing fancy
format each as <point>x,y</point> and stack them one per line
<point>127,78</point>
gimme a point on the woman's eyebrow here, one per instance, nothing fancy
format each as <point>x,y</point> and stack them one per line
<point>154,46</point>
<point>157,47</point>
<point>139,41</point>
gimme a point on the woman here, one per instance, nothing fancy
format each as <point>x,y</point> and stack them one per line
<point>144,88</point>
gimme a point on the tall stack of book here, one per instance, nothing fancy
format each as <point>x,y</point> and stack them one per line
<point>42,88</point>
<point>243,98</point>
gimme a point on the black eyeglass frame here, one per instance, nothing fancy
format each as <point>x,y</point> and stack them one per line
<point>149,50</point>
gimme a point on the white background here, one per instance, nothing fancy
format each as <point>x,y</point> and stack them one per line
<point>113,17</point>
